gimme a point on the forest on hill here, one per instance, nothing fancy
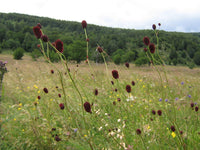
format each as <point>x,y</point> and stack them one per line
<point>121,45</point>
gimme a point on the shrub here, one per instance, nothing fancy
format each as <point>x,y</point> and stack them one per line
<point>117,59</point>
<point>141,61</point>
<point>53,56</point>
<point>36,54</point>
<point>197,58</point>
<point>18,53</point>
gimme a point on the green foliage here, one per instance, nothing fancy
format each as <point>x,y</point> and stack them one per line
<point>141,61</point>
<point>16,31</point>
<point>35,54</point>
<point>18,53</point>
<point>191,65</point>
<point>197,58</point>
<point>117,59</point>
<point>77,51</point>
<point>53,56</point>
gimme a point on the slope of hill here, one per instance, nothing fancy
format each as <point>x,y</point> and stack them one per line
<point>123,45</point>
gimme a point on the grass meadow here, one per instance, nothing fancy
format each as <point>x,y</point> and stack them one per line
<point>45,106</point>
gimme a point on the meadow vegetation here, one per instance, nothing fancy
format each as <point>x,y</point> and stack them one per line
<point>65,105</point>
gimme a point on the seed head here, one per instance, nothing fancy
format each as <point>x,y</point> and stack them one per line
<point>61,105</point>
<point>181,132</point>
<point>159,112</point>
<point>45,90</point>
<point>57,138</point>
<point>115,74</point>
<point>138,131</point>
<point>145,49</point>
<point>152,48</point>
<point>59,95</point>
<point>45,38</point>
<point>154,27</point>
<point>96,92</point>
<point>173,128</point>
<point>133,83</point>
<point>119,99</point>
<point>153,112</point>
<point>146,40</point>
<point>127,64</point>
<point>59,45</point>
<point>37,32</point>
<point>128,88</point>
<point>39,25</point>
<point>84,24</point>
<point>99,49</point>
<point>196,108</point>
<point>87,107</point>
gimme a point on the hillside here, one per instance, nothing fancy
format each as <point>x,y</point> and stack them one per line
<point>123,45</point>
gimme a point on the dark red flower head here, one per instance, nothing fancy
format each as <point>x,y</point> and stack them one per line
<point>112,82</point>
<point>127,64</point>
<point>128,88</point>
<point>59,95</point>
<point>192,105</point>
<point>146,40</point>
<point>84,24</point>
<point>87,107</point>
<point>115,74</point>
<point>153,112</point>
<point>52,71</point>
<point>138,131</point>
<point>145,49</point>
<point>59,45</point>
<point>100,50</point>
<point>152,48</point>
<point>159,112</point>
<point>39,97</point>
<point>45,90</point>
<point>196,108</point>
<point>57,138</point>
<point>173,128</point>
<point>96,92</point>
<point>37,32</point>
<point>45,38</point>
<point>61,105</point>
<point>154,27</point>
<point>133,83</point>
<point>39,25</point>
<point>159,24</point>
<point>87,39</point>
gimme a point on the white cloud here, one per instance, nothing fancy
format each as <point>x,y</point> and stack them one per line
<point>119,13</point>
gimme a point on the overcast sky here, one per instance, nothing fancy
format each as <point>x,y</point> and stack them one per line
<point>174,15</point>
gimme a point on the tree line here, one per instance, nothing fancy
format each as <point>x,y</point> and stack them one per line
<point>121,45</point>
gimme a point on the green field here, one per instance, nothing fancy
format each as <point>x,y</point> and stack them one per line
<point>116,118</point>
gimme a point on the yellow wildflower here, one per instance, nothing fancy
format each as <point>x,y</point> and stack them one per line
<point>19,108</point>
<point>20,104</point>
<point>38,92</point>
<point>173,134</point>
<point>35,86</point>
<point>14,119</point>
<point>85,135</point>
